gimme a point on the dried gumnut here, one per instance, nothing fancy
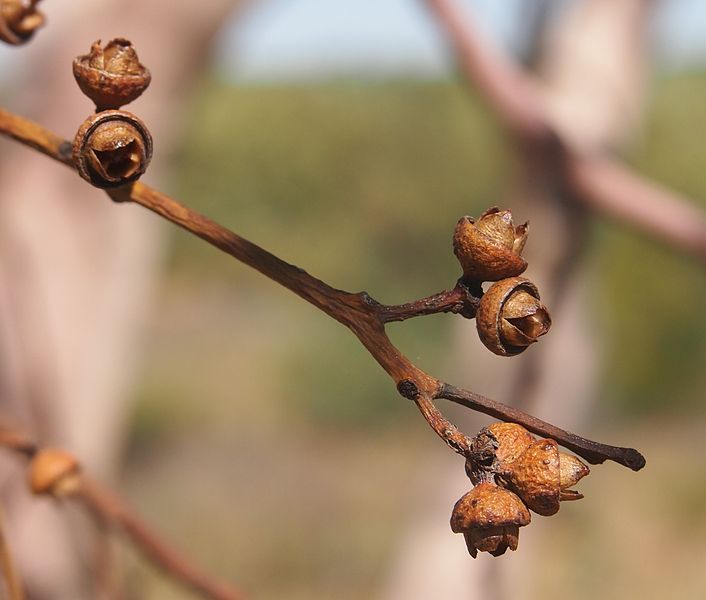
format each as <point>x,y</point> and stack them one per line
<point>53,472</point>
<point>542,476</point>
<point>19,19</point>
<point>489,518</point>
<point>508,455</point>
<point>112,148</point>
<point>513,440</point>
<point>112,76</point>
<point>489,248</point>
<point>494,448</point>
<point>510,316</point>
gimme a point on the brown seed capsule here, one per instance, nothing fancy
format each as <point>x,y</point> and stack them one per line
<point>510,316</point>
<point>19,19</point>
<point>112,148</point>
<point>489,518</point>
<point>489,248</point>
<point>513,440</point>
<point>53,472</point>
<point>112,76</point>
<point>538,478</point>
<point>494,448</point>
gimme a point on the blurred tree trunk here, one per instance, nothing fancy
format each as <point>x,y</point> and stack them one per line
<point>76,271</point>
<point>592,63</point>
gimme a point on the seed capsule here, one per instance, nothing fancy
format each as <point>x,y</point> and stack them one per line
<point>542,475</point>
<point>19,20</point>
<point>112,148</point>
<point>489,248</point>
<point>489,518</point>
<point>112,76</point>
<point>513,440</point>
<point>494,448</point>
<point>510,316</point>
<point>53,472</point>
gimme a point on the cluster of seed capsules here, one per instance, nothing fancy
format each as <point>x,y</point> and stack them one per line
<point>513,473</point>
<point>509,316</point>
<point>112,148</point>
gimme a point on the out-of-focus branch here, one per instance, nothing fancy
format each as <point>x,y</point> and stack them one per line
<point>508,91</point>
<point>603,185</point>
<point>365,317</point>
<point>106,579</point>
<point>16,440</point>
<point>621,194</point>
<point>7,567</point>
<point>112,513</point>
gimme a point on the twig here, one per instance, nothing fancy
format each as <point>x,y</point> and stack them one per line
<point>12,581</point>
<point>364,316</point>
<point>602,185</point>
<point>446,430</point>
<point>593,452</point>
<point>460,300</point>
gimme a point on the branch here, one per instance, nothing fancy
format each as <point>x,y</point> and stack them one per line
<point>602,185</point>
<point>364,316</point>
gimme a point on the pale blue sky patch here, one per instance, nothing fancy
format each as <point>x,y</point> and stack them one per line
<point>304,39</point>
<point>680,33</point>
<point>300,39</point>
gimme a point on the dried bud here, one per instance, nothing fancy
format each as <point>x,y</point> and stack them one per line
<point>112,76</point>
<point>19,20</point>
<point>489,249</point>
<point>53,472</point>
<point>510,316</point>
<point>112,148</point>
<point>489,518</point>
<point>538,477</point>
<point>571,471</point>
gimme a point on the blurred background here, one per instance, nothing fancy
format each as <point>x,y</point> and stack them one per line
<point>257,433</point>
